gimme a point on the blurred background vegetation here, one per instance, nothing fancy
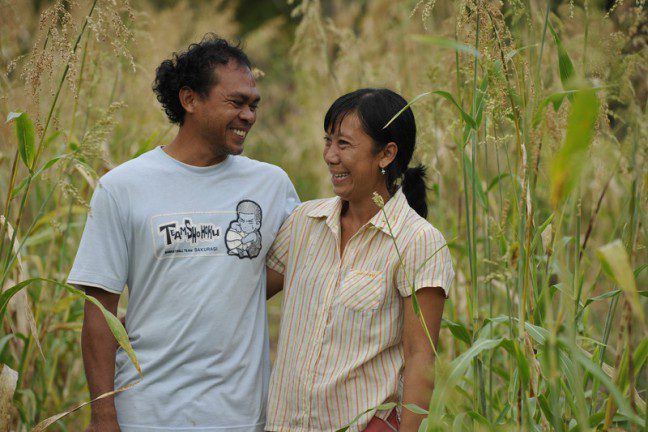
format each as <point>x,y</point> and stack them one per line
<point>536,157</point>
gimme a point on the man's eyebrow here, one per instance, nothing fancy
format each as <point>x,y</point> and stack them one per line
<point>244,96</point>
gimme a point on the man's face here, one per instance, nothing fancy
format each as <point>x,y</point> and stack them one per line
<point>226,114</point>
<point>248,222</point>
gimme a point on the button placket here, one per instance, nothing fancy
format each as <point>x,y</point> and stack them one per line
<point>320,326</point>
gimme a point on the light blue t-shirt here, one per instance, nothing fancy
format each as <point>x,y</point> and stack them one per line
<point>190,243</point>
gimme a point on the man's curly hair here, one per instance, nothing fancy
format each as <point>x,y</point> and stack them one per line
<point>193,68</point>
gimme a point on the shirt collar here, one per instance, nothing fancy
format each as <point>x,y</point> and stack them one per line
<point>394,209</point>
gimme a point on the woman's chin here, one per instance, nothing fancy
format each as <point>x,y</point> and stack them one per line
<point>342,192</point>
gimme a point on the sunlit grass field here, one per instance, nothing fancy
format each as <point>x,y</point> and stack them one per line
<point>532,122</point>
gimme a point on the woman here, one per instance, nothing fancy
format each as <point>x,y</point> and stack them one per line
<point>349,338</point>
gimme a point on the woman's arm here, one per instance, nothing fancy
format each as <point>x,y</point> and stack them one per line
<point>418,377</point>
<point>274,282</point>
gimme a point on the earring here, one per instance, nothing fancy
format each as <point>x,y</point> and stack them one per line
<point>382,171</point>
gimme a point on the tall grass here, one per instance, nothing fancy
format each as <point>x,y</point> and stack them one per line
<point>533,125</point>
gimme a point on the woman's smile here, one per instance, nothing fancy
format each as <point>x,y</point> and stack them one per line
<point>339,178</point>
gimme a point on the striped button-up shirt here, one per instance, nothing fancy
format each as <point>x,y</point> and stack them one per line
<point>340,344</point>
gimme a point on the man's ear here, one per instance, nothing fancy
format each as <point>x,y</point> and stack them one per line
<point>388,154</point>
<point>188,99</point>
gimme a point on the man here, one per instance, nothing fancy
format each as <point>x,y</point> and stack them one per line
<point>196,314</point>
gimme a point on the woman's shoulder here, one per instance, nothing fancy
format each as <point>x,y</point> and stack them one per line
<point>416,226</point>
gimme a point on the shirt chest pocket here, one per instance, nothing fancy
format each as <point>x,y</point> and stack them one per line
<point>362,290</point>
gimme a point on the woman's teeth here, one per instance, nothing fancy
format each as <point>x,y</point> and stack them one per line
<point>340,176</point>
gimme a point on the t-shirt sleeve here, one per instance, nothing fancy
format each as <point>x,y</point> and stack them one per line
<point>427,262</point>
<point>102,258</point>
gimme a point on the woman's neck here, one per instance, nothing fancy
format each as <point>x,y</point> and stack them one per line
<point>359,212</point>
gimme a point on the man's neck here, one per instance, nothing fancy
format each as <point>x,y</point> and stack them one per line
<point>189,148</point>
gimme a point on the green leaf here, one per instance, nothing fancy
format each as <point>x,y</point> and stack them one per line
<point>446,43</point>
<point>116,327</point>
<point>26,137</point>
<point>508,57</point>
<point>538,233</point>
<point>481,97</point>
<point>416,99</point>
<point>567,164</point>
<point>523,365</point>
<point>466,117</point>
<point>607,295</point>
<point>640,269</point>
<point>565,65</point>
<point>382,407</point>
<point>598,373</point>
<point>146,144</point>
<point>555,99</point>
<point>4,341</point>
<point>616,264</point>
<point>458,368</point>
<point>545,408</point>
<point>479,418</point>
<point>496,180</point>
<point>415,408</point>
<point>459,331</point>
<point>479,189</point>
<point>423,425</point>
<point>640,355</point>
<point>33,176</point>
<point>458,423</point>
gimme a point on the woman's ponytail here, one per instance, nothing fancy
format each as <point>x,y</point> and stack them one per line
<point>415,190</point>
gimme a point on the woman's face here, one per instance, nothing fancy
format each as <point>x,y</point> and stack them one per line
<point>354,168</point>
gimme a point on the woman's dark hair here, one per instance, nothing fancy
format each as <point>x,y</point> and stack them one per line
<point>375,107</point>
<point>193,68</point>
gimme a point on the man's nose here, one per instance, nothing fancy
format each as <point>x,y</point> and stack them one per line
<point>248,115</point>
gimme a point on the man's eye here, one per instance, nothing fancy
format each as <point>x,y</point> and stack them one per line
<point>254,107</point>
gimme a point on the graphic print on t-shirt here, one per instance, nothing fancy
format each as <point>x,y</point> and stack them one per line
<point>188,234</point>
<point>243,236</point>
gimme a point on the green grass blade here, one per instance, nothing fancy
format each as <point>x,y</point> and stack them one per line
<point>568,163</point>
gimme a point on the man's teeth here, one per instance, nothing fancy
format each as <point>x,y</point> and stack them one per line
<point>240,132</point>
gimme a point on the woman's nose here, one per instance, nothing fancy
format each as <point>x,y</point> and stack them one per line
<point>331,155</point>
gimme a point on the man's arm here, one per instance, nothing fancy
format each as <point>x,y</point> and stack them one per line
<point>99,347</point>
<point>274,282</point>
<point>419,357</point>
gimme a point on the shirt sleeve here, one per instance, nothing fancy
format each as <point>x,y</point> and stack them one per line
<point>292,199</point>
<point>427,263</point>
<point>278,254</point>
<point>102,258</point>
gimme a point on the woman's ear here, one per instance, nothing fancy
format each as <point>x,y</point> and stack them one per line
<point>388,154</point>
<point>187,99</point>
